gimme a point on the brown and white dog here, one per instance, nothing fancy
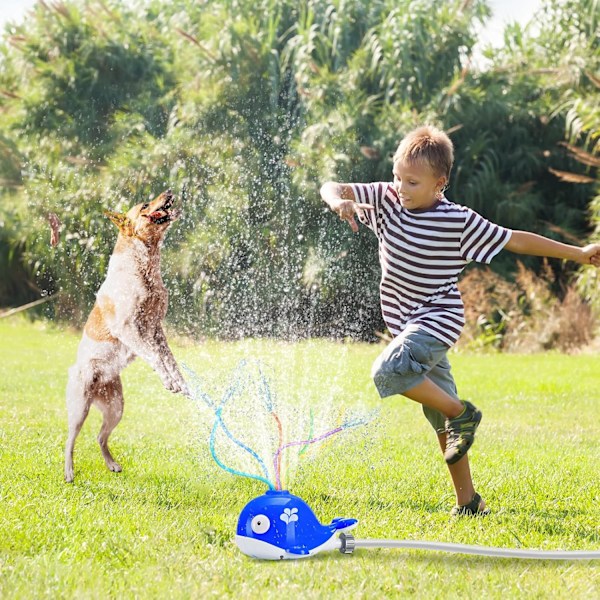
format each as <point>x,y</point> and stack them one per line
<point>125,322</point>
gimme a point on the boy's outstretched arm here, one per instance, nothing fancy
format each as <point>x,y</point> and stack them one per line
<point>341,200</point>
<point>524,242</point>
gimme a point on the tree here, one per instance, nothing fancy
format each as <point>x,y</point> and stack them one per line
<point>244,109</point>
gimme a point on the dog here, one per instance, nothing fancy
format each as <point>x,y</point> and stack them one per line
<point>125,322</point>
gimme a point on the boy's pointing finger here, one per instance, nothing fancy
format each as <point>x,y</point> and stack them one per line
<point>359,209</point>
<point>353,224</point>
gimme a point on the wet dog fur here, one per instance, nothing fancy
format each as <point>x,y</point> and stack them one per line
<point>125,322</point>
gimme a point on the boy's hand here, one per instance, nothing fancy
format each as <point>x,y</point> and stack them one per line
<point>346,209</point>
<point>591,255</point>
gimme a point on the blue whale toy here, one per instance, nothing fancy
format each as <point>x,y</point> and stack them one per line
<point>279,525</point>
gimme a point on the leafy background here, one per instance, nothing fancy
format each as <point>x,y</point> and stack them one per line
<point>244,108</point>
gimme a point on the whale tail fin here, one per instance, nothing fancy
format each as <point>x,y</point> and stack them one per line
<point>339,523</point>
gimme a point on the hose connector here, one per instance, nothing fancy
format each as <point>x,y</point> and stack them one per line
<point>347,546</point>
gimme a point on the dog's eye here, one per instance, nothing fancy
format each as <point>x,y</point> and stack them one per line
<point>145,206</point>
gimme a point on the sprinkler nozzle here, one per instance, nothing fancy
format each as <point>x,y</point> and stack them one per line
<point>347,544</point>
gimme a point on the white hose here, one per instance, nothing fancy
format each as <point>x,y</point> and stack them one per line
<point>481,550</point>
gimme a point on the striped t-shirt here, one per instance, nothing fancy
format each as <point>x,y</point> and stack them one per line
<point>422,253</point>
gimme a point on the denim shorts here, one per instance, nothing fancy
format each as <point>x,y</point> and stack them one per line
<point>407,361</point>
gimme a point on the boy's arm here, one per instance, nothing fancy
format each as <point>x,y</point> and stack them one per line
<point>523,242</point>
<point>341,200</point>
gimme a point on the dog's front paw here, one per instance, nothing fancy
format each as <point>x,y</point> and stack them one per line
<point>69,475</point>
<point>181,387</point>
<point>172,385</point>
<point>177,385</point>
<point>185,390</point>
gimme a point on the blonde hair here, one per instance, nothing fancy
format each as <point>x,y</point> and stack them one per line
<point>427,145</point>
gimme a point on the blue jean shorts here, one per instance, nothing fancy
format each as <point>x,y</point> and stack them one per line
<point>407,361</point>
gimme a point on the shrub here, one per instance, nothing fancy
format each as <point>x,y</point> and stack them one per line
<point>524,315</point>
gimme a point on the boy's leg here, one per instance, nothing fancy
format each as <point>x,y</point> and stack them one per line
<point>405,366</point>
<point>415,365</point>
<point>460,429</point>
<point>460,473</point>
<point>462,418</point>
<point>433,396</point>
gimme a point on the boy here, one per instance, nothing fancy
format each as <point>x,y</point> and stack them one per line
<point>425,242</point>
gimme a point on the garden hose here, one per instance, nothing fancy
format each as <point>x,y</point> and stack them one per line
<point>348,544</point>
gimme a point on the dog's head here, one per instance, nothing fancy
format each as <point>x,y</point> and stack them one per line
<point>147,220</point>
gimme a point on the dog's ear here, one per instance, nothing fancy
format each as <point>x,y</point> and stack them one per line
<point>121,220</point>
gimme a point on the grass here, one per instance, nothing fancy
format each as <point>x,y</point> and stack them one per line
<point>163,528</point>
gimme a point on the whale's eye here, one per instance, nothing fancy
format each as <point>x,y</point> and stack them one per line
<point>260,524</point>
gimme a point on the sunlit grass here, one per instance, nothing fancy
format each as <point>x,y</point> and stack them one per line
<point>164,526</point>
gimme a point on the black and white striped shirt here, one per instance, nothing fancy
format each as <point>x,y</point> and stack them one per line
<point>422,253</point>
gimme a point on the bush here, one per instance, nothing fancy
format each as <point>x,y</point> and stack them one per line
<point>523,315</point>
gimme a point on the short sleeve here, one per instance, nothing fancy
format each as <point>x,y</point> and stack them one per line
<point>373,194</point>
<point>481,239</point>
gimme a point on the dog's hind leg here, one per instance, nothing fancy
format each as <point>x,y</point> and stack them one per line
<point>78,406</point>
<point>109,399</point>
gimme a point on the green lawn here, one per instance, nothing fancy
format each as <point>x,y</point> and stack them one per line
<point>164,527</point>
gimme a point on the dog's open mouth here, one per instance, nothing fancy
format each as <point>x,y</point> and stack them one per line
<point>159,217</point>
<point>164,214</point>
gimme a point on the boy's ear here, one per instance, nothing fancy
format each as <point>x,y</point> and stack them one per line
<point>121,220</point>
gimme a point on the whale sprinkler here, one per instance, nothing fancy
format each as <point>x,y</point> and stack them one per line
<point>281,526</point>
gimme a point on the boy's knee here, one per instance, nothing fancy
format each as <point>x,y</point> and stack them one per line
<point>380,378</point>
<point>383,369</point>
<point>395,372</point>
<point>377,368</point>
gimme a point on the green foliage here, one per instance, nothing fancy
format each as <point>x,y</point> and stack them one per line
<point>78,73</point>
<point>245,109</point>
<point>84,91</point>
<point>549,76</point>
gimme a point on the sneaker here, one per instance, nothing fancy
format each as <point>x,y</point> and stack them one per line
<point>473,509</point>
<point>460,433</point>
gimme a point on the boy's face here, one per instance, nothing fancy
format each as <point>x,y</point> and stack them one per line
<point>416,185</point>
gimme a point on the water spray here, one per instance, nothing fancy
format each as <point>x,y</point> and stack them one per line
<point>281,526</point>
